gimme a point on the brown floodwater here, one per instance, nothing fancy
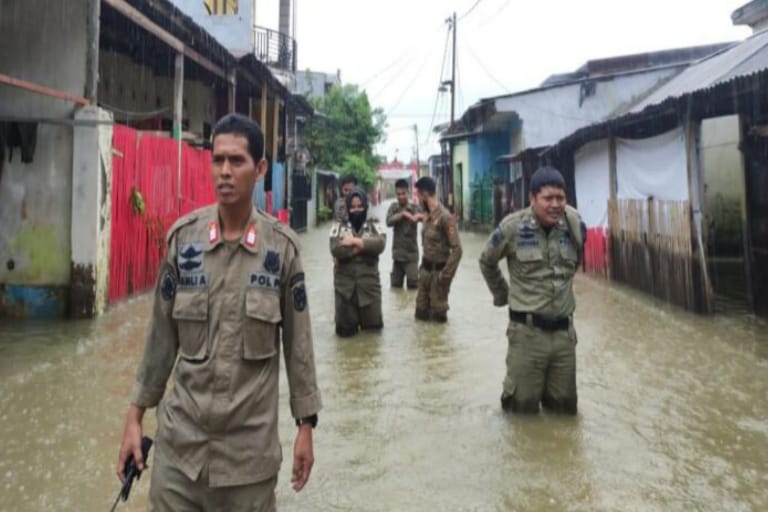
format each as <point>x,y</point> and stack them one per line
<point>673,408</point>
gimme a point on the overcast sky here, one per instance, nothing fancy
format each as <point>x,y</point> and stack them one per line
<point>394,48</point>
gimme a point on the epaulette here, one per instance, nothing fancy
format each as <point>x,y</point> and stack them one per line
<point>287,233</point>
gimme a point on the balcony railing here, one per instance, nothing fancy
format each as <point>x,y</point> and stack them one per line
<point>274,49</point>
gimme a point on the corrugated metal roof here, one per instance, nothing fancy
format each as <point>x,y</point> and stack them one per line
<point>740,60</point>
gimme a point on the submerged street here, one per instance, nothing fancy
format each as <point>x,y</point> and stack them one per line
<point>672,409</point>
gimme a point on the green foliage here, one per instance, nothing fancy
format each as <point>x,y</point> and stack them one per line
<point>324,213</point>
<point>361,168</point>
<point>343,135</point>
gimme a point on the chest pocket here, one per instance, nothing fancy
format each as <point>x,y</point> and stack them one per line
<point>190,311</point>
<point>529,254</point>
<point>260,333</point>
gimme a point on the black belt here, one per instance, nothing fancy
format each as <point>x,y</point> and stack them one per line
<point>542,322</point>
<point>432,266</point>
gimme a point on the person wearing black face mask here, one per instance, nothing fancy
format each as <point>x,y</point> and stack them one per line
<point>356,244</point>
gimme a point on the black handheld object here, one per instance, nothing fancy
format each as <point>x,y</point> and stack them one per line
<point>131,471</point>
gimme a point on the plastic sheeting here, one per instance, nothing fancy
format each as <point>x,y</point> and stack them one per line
<point>653,167</point>
<point>593,182</point>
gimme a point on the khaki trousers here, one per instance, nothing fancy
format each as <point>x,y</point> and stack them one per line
<point>171,491</point>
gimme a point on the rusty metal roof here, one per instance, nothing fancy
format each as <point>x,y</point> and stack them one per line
<point>743,59</point>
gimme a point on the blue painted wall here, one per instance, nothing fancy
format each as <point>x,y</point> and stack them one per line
<point>278,186</point>
<point>484,149</point>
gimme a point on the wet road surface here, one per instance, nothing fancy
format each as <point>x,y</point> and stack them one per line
<point>673,408</point>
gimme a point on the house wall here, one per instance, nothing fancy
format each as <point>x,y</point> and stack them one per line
<point>551,114</point>
<point>461,183</point>
<point>723,204</point>
<point>132,86</point>
<point>35,198</point>
<point>484,149</point>
<point>232,31</point>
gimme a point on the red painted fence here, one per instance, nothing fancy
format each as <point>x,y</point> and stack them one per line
<point>145,172</point>
<point>595,254</point>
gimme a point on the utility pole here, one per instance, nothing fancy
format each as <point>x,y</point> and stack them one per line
<point>416,133</point>
<point>453,70</point>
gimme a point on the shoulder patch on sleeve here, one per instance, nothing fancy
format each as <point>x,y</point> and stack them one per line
<point>496,237</point>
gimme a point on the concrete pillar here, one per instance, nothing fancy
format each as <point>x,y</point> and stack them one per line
<point>91,212</point>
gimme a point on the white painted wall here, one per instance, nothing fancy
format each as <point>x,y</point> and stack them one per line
<point>42,42</point>
<point>234,32</point>
<point>91,209</point>
<point>551,114</point>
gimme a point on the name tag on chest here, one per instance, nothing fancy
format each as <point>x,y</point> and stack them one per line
<point>264,280</point>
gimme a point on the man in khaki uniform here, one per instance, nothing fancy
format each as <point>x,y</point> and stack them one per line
<point>356,245</point>
<point>442,253</point>
<point>348,183</point>
<point>542,245</point>
<point>230,288</point>
<point>404,217</point>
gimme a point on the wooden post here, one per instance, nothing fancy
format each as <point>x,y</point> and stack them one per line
<point>691,128</point>
<point>745,228</point>
<point>263,110</point>
<point>613,228</point>
<point>232,90</point>
<point>178,111</point>
<point>275,128</point>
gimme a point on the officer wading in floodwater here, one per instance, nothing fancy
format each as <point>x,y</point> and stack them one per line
<point>404,217</point>
<point>442,253</point>
<point>230,288</point>
<point>542,245</point>
<point>356,245</point>
<point>348,183</point>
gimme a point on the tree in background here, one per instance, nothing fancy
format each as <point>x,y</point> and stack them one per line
<point>344,133</point>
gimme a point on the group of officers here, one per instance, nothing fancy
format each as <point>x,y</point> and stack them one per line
<point>357,240</point>
<point>231,296</point>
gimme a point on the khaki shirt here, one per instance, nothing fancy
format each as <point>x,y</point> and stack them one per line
<point>405,245</point>
<point>358,273</point>
<point>340,210</point>
<point>541,265</point>
<point>440,240</point>
<point>220,309</point>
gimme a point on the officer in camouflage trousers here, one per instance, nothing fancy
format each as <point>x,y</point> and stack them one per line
<point>543,246</point>
<point>442,253</point>
<point>404,217</point>
<point>356,245</point>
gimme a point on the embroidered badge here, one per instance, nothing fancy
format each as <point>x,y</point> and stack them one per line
<point>272,262</point>
<point>168,286</point>
<point>190,256</point>
<point>262,280</point>
<point>300,298</point>
<point>213,232</point>
<point>194,280</point>
<point>250,236</point>
<point>296,279</point>
<point>496,237</point>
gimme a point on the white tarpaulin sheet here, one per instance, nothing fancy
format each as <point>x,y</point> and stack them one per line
<point>593,182</point>
<point>652,167</point>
